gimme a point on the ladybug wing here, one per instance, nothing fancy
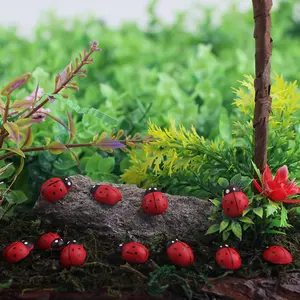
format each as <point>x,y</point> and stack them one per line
<point>277,255</point>
<point>47,239</point>
<point>77,254</point>
<point>161,202</point>
<point>135,252</point>
<point>149,204</point>
<point>55,191</point>
<point>48,183</point>
<point>229,205</point>
<point>228,258</point>
<point>65,258</point>
<point>241,201</point>
<point>180,255</point>
<point>16,252</point>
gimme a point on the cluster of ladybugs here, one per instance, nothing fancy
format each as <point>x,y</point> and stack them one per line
<point>154,202</point>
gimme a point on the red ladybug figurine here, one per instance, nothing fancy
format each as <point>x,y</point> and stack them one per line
<point>72,254</point>
<point>134,252</point>
<point>50,241</point>
<point>180,253</point>
<point>228,258</point>
<point>277,255</point>
<point>16,251</point>
<point>106,194</point>
<point>56,188</point>
<point>234,201</point>
<point>154,202</point>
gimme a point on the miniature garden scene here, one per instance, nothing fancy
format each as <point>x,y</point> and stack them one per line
<point>154,163</point>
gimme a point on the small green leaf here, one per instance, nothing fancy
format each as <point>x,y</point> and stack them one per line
<point>246,220</point>
<point>283,217</point>
<point>56,148</point>
<point>6,284</point>
<point>13,131</point>
<point>224,225</point>
<point>258,211</point>
<point>236,179</point>
<point>15,150</point>
<point>246,226</point>
<point>223,182</point>
<point>212,218</point>
<point>213,228</point>
<point>16,197</point>
<point>225,235</point>
<point>246,211</point>
<point>237,230</point>
<point>215,202</point>
<point>273,231</point>
<point>257,171</point>
<point>270,210</point>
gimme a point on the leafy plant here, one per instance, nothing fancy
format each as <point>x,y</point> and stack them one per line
<point>181,160</point>
<point>18,117</point>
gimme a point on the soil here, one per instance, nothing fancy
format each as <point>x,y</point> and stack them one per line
<point>106,276</point>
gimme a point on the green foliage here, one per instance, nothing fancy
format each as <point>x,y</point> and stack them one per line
<point>141,73</point>
<point>182,161</point>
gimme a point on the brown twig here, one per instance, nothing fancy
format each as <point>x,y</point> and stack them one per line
<point>91,144</point>
<point>84,61</point>
<point>262,83</point>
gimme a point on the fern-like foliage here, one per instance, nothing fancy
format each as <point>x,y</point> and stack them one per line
<point>184,162</point>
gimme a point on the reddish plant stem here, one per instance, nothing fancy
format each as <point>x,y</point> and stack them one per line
<point>43,148</point>
<point>63,84</point>
<point>262,83</point>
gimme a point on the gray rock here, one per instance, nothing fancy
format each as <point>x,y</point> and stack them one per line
<point>184,219</point>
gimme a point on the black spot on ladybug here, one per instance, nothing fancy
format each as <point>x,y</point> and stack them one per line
<point>106,188</point>
<point>15,255</point>
<point>179,254</point>
<point>127,251</point>
<point>228,209</point>
<point>245,205</point>
<point>135,253</point>
<point>132,246</point>
<point>150,200</point>
<point>78,255</point>
<point>273,252</point>
<point>226,253</point>
<point>221,260</point>
<point>106,195</point>
<point>175,248</point>
<point>54,186</point>
<point>14,248</point>
<point>79,249</point>
<point>53,193</point>
<point>61,190</point>
<point>21,250</point>
<point>146,207</point>
<point>231,202</point>
<point>73,250</point>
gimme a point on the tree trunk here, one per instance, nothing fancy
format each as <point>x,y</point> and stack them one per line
<point>262,83</point>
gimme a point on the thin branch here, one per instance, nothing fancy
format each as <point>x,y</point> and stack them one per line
<point>84,61</point>
<point>262,83</point>
<point>92,144</point>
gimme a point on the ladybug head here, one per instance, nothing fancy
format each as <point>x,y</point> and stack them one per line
<point>231,189</point>
<point>225,246</point>
<point>67,182</point>
<point>57,244</point>
<point>151,190</point>
<point>171,242</point>
<point>28,245</point>
<point>71,242</point>
<point>94,188</point>
<point>120,247</point>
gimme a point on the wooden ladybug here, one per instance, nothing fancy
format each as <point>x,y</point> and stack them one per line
<point>277,255</point>
<point>17,251</point>
<point>154,202</point>
<point>180,253</point>
<point>228,258</point>
<point>134,252</point>
<point>72,254</point>
<point>51,241</point>
<point>56,188</point>
<point>234,201</point>
<point>106,194</point>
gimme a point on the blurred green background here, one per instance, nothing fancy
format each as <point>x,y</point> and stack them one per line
<point>163,72</point>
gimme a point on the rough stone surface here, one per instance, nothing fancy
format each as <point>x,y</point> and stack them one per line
<point>184,219</point>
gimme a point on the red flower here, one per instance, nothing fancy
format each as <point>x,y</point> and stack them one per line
<point>279,188</point>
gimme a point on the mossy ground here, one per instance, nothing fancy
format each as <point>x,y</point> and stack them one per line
<point>105,269</point>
